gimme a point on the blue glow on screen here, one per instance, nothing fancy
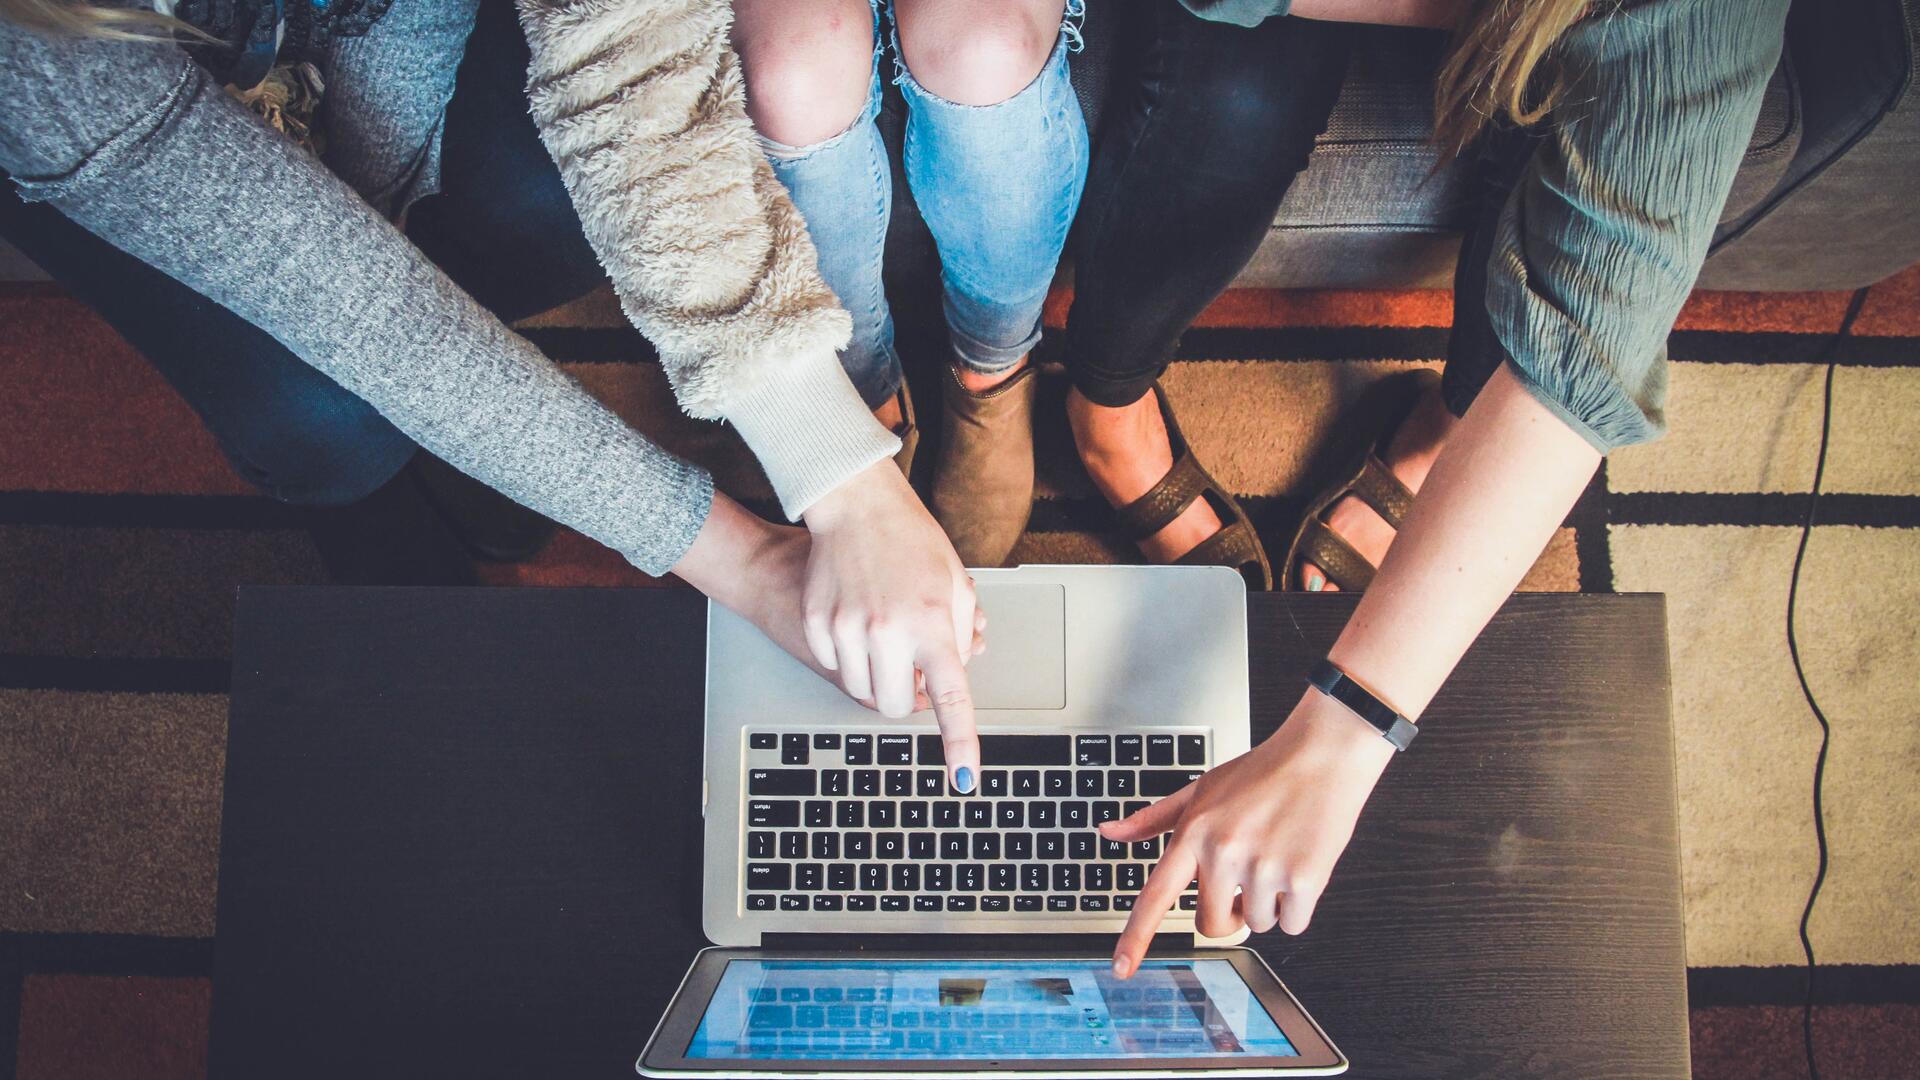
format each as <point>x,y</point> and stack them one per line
<point>983,1009</point>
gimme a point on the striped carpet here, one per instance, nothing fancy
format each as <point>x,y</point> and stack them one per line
<point>123,535</point>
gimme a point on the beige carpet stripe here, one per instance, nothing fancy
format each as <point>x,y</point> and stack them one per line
<point>112,805</point>
<point>1745,742</point>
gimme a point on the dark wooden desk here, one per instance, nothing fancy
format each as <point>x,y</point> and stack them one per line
<point>461,838</point>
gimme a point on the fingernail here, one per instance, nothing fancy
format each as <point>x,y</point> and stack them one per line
<point>1315,583</point>
<point>963,780</point>
<point>1120,966</point>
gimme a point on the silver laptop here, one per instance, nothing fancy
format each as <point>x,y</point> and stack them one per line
<point>831,829</point>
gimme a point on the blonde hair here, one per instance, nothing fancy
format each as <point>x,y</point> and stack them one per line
<point>1500,68</point>
<point>81,18</point>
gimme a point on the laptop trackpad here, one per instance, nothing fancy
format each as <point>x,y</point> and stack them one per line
<point>1025,665</point>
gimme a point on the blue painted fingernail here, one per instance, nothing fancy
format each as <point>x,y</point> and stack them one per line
<point>963,780</point>
<point>1316,583</point>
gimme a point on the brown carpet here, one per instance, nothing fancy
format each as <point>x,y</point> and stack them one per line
<point>123,535</point>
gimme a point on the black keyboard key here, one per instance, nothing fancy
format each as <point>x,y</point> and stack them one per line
<point>906,878</point>
<point>899,783</point>
<point>1132,878</point>
<point>939,877</point>
<point>826,903</point>
<point>1060,903</point>
<point>927,903</point>
<point>860,903</point>
<point>1019,846</point>
<point>930,783</point>
<point>1080,845</point>
<point>1026,784</point>
<point>826,742</point>
<point>834,782</point>
<point>913,815</point>
<point>946,815</point>
<point>1147,849</point>
<point>1099,877</point>
<point>826,845</point>
<point>857,845</point>
<point>1051,845</point>
<point>893,750</point>
<point>1189,902</point>
<point>893,903</point>
<point>1092,750</point>
<point>859,750</point>
<point>986,846</point>
<point>1133,807</point>
<point>881,815</point>
<point>793,903</point>
<point>1159,749</point>
<point>920,845</point>
<point>1066,878</point>
<point>1033,878</point>
<point>866,783</point>
<point>1001,877</point>
<point>1157,782</point>
<point>763,740</point>
<point>772,814</point>
<point>1025,750</point>
<point>1093,903</point>
<point>809,876</point>
<point>1104,812</point>
<point>961,903</point>
<point>1112,850</point>
<point>932,750</point>
<point>1026,903</point>
<point>759,845</point>
<point>1193,749</point>
<point>1057,784</point>
<point>850,814</point>
<point>873,877</point>
<point>1120,784</point>
<point>970,877</point>
<point>979,815</point>
<point>840,877</point>
<point>1043,815</point>
<point>993,783</point>
<point>1073,815</point>
<point>890,845</point>
<point>1010,815</point>
<point>793,750</point>
<point>769,877</point>
<point>760,902</point>
<point>1127,749</point>
<point>819,814</point>
<point>1123,903</point>
<point>953,845</point>
<point>1089,784</point>
<point>993,903</point>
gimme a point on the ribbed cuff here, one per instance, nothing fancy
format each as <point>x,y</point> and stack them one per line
<point>808,427</point>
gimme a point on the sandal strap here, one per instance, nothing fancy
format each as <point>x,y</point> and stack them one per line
<point>1379,488</point>
<point>1155,510</point>
<point>1335,557</point>
<point>1235,545</point>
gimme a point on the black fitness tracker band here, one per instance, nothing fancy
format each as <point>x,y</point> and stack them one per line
<point>1331,681</point>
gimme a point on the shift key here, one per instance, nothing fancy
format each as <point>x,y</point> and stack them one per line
<point>1157,782</point>
<point>781,781</point>
<point>774,813</point>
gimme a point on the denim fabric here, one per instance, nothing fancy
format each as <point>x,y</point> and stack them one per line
<point>998,186</point>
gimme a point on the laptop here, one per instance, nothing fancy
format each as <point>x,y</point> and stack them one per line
<point>869,920</point>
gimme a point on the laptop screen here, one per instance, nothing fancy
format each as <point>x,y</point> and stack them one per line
<point>983,1009</point>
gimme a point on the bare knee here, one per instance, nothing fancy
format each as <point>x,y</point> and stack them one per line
<point>977,52</point>
<point>808,65</point>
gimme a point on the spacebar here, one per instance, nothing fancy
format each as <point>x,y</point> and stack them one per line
<point>1007,750</point>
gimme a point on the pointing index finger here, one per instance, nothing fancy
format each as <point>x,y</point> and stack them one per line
<point>1164,887</point>
<point>952,701</point>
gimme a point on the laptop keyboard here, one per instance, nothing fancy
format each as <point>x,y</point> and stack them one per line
<point>844,822</point>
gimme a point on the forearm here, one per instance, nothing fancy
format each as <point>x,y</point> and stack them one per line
<point>1509,474</point>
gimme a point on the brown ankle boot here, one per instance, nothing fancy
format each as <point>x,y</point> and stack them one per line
<point>983,482</point>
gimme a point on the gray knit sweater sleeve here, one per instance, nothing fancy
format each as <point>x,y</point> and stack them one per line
<point>1602,239</point>
<point>132,143</point>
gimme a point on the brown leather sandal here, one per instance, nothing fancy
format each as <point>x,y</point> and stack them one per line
<point>1235,545</point>
<point>1373,482</point>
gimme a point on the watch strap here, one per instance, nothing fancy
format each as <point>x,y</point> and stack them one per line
<point>1327,678</point>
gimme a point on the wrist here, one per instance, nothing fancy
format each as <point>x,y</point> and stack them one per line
<point>850,501</point>
<point>724,557</point>
<point>1341,739</point>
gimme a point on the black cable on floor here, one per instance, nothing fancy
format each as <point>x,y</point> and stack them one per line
<point>1793,649</point>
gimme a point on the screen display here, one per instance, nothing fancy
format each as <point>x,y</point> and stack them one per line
<point>983,1009</point>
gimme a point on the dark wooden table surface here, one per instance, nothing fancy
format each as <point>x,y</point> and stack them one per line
<point>462,838</point>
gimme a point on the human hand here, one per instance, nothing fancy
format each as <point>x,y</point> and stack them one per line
<point>1268,826</point>
<point>888,607</point>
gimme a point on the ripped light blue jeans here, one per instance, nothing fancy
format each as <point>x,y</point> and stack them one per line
<point>997,184</point>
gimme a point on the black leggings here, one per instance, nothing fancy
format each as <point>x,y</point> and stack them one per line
<point>1186,179</point>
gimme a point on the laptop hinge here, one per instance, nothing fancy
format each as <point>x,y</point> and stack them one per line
<point>963,944</point>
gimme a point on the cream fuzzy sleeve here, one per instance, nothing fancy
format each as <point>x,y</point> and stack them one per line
<point>642,105</point>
